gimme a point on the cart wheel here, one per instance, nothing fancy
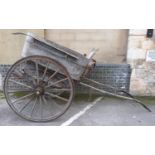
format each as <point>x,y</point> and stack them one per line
<point>38,88</point>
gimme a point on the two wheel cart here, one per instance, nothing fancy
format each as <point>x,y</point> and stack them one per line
<point>40,86</point>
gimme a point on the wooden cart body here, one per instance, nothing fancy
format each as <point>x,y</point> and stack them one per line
<point>74,62</point>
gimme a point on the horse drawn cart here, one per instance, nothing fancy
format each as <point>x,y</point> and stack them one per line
<point>40,86</point>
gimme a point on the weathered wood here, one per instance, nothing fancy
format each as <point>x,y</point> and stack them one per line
<point>74,62</point>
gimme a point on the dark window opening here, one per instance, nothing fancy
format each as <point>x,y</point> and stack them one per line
<point>149,33</point>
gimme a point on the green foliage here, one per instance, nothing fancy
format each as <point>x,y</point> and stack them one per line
<point>2,95</point>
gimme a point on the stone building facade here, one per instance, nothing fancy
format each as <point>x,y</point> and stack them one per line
<point>140,55</point>
<point>116,46</point>
<point>112,43</point>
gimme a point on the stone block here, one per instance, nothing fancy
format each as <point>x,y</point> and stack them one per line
<point>137,31</point>
<point>137,86</point>
<point>135,41</point>
<point>148,44</point>
<point>53,37</point>
<point>136,53</point>
<point>67,36</point>
<point>90,36</point>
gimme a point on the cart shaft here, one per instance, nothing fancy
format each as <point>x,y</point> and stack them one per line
<point>116,95</point>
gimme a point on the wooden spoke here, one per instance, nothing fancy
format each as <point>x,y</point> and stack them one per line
<point>41,107</point>
<point>62,80</point>
<point>37,72</point>
<point>33,108</point>
<point>19,74</point>
<point>19,83</point>
<point>16,91</point>
<point>26,104</point>
<point>59,90</point>
<point>56,96</point>
<point>45,71</point>
<point>23,97</point>
<point>44,100</point>
<point>52,75</point>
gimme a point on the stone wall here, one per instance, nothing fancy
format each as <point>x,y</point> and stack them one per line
<point>112,44</point>
<point>143,71</point>
<point>11,45</point>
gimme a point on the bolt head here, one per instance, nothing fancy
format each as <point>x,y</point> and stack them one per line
<point>37,92</point>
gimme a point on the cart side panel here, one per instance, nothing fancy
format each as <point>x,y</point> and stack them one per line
<point>73,63</point>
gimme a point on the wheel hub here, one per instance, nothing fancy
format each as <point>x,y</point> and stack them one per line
<point>39,91</point>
